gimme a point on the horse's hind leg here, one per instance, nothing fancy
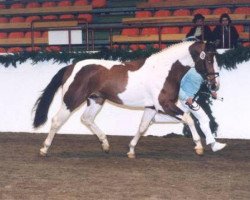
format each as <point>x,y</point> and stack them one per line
<point>88,118</point>
<point>196,137</point>
<point>147,117</point>
<point>57,121</point>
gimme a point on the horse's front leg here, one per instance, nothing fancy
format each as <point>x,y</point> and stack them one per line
<point>147,117</point>
<point>186,118</point>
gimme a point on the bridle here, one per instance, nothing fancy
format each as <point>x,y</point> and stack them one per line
<point>205,57</point>
<point>206,74</point>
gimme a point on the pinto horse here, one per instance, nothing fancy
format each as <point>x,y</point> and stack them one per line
<point>152,84</point>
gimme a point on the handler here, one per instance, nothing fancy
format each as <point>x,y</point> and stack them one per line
<point>190,84</point>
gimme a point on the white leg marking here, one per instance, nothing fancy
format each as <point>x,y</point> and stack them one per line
<point>57,121</point>
<point>196,137</point>
<point>187,119</point>
<point>88,118</point>
<point>147,117</point>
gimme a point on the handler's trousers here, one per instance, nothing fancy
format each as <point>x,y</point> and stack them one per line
<point>201,116</point>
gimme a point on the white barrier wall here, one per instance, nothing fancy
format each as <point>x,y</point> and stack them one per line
<point>20,87</point>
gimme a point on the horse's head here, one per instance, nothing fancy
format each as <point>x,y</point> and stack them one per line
<point>203,55</point>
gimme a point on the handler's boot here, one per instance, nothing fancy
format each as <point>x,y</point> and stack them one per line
<point>217,146</point>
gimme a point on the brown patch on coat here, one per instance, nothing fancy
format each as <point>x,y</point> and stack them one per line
<point>195,50</point>
<point>170,91</point>
<point>134,65</point>
<point>99,83</point>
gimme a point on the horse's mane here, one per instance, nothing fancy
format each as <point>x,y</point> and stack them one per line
<point>169,48</point>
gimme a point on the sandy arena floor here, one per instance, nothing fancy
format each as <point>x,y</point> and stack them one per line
<point>165,168</point>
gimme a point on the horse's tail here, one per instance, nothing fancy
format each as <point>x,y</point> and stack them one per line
<point>42,104</point>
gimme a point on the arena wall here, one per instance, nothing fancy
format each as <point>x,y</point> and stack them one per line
<point>21,86</point>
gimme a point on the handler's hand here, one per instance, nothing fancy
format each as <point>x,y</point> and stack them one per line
<point>214,94</point>
<point>189,101</point>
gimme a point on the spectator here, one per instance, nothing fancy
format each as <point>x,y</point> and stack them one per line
<point>200,31</point>
<point>225,34</point>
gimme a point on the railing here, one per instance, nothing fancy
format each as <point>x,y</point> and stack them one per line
<point>156,38</point>
<point>192,4</point>
<point>91,29</point>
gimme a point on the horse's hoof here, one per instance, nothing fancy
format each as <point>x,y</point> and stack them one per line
<point>106,150</point>
<point>131,155</point>
<point>43,153</point>
<point>105,147</point>
<point>199,151</point>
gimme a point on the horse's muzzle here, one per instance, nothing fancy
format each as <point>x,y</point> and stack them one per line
<point>213,81</point>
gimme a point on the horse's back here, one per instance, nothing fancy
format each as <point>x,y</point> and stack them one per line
<point>73,70</point>
<point>109,79</point>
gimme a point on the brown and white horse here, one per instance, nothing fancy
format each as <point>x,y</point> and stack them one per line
<point>151,83</point>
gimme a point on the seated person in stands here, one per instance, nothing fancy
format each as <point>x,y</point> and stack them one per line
<point>225,34</point>
<point>200,31</point>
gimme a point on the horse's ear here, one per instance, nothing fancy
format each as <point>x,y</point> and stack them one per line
<point>216,44</point>
<point>210,46</point>
<point>211,43</point>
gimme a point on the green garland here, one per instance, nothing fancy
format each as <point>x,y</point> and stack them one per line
<point>231,58</point>
<point>228,60</point>
<point>66,57</point>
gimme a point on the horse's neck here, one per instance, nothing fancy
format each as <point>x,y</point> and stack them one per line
<point>171,55</point>
<point>177,71</point>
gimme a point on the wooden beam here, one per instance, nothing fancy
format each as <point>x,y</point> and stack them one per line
<point>55,24</point>
<point>23,41</point>
<point>155,38</point>
<point>123,38</point>
<point>26,25</point>
<point>173,37</point>
<point>244,35</point>
<point>191,3</point>
<point>48,10</point>
<point>148,38</point>
<point>154,20</point>
<point>180,19</point>
<point>234,17</point>
<point>18,25</point>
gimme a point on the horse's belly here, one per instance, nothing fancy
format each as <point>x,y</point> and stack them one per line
<point>133,97</point>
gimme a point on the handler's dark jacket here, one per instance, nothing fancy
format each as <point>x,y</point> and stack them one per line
<point>218,35</point>
<point>208,35</point>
